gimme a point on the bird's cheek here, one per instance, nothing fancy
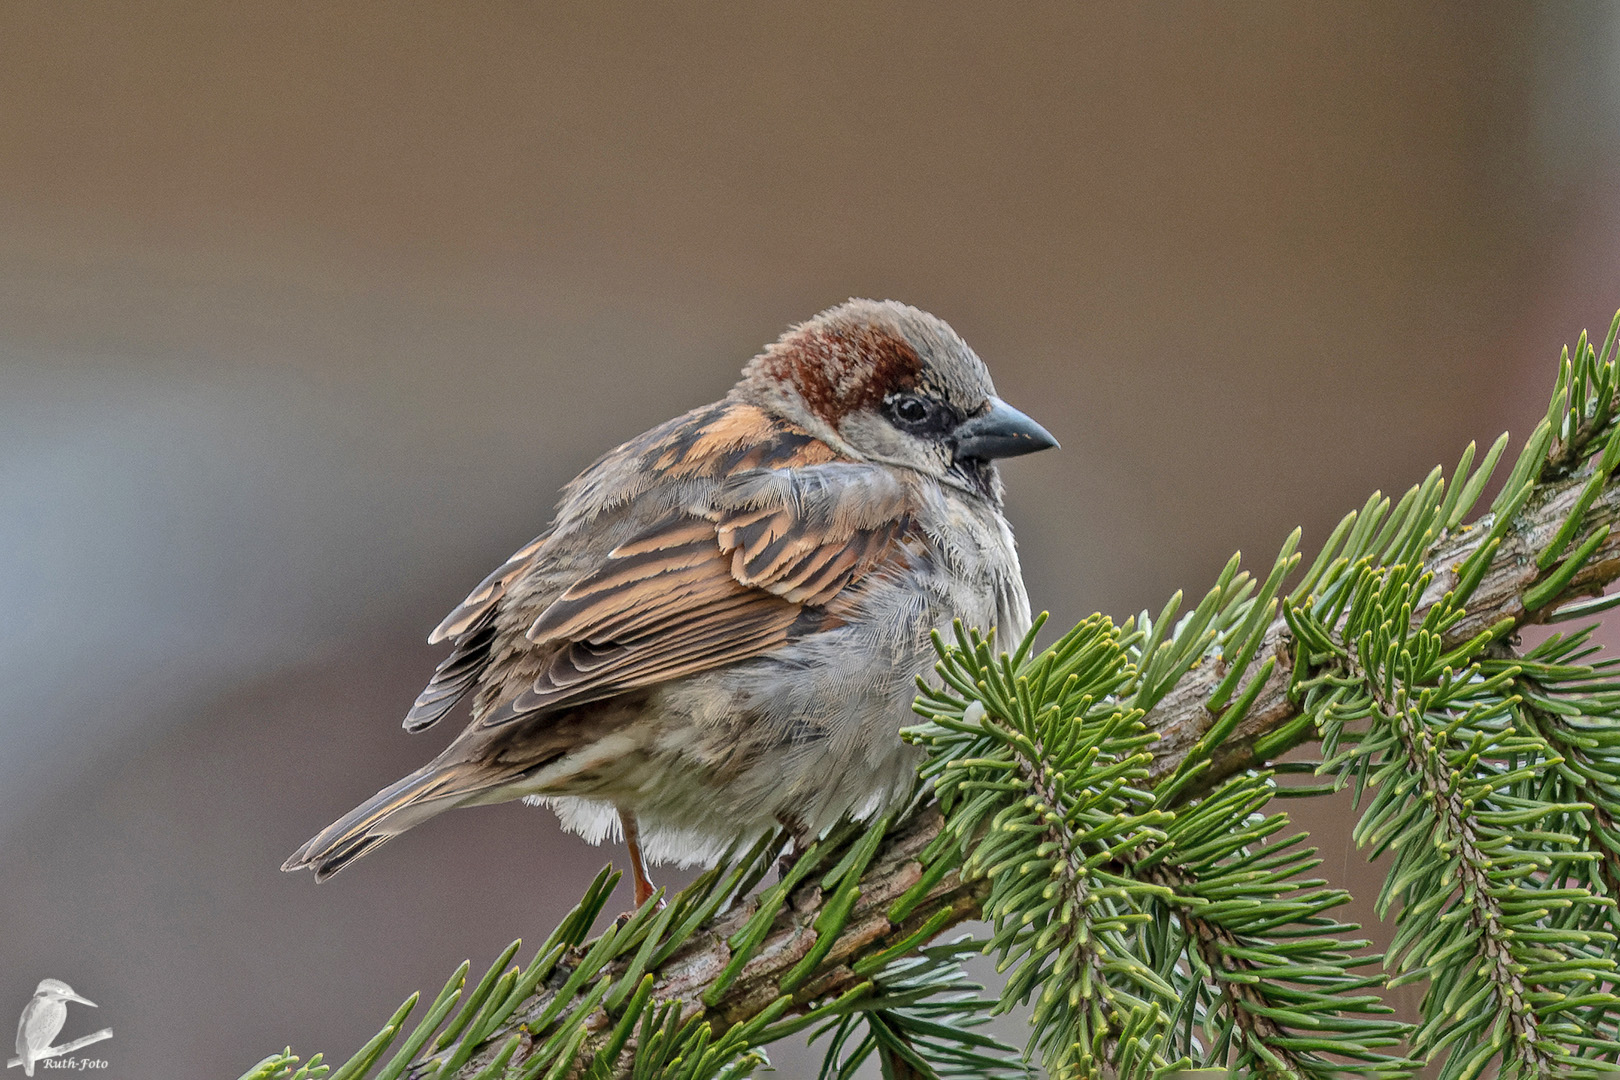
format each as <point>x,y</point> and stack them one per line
<point>874,438</point>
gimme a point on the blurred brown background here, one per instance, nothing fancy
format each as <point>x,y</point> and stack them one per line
<point>306,311</point>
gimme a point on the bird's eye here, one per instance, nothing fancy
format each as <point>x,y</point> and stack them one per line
<point>909,409</point>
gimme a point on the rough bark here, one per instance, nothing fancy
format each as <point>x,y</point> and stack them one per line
<point>1180,719</point>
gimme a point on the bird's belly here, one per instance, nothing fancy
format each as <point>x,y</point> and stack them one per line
<point>798,739</point>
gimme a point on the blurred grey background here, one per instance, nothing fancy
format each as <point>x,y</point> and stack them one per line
<point>306,311</point>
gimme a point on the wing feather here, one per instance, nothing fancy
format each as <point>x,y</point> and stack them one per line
<point>471,627</point>
<point>783,531</point>
<point>481,602</point>
<point>698,591</point>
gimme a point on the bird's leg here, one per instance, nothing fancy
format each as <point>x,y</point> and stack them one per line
<point>799,833</point>
<point>638,869</point>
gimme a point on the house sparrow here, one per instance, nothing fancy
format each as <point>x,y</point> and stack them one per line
<point>722,628</point>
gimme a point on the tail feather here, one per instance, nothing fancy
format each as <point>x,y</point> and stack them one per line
<point>425,793</point>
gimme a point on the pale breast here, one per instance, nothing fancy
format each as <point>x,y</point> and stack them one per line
<point>977,568</point>
<point>812,731</point>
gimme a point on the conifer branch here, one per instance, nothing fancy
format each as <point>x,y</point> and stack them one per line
<point>1600,826</point>
<point>1456,830</point>
<point>1182,717</point>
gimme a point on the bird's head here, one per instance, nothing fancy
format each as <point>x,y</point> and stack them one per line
<point>57,990</point>
<point>884,382</point>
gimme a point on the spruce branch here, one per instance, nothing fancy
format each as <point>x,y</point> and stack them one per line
<point>1421,753</point>
<point>1496,605</point>
<point>1564,699</point>
<point>1256,987</point>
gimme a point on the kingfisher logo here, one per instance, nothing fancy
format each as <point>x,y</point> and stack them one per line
<point>42,1021</point>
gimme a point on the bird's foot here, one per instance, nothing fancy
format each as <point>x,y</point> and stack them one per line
<point>799,842</point>
<point>638,867</point>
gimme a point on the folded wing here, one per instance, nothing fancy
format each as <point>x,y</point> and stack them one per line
<point>770,561</point>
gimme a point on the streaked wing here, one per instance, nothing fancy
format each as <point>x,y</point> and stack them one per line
<point>762,529</point>
<point>479,607</point>
<point>471,626</point>
<point>697,592</point>
<point>805,534</point>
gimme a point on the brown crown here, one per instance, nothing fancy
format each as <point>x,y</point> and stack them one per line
<point>841,365</point>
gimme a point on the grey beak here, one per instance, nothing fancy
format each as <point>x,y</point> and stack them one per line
<point>81,1000</point>
<point>1001,432</point>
